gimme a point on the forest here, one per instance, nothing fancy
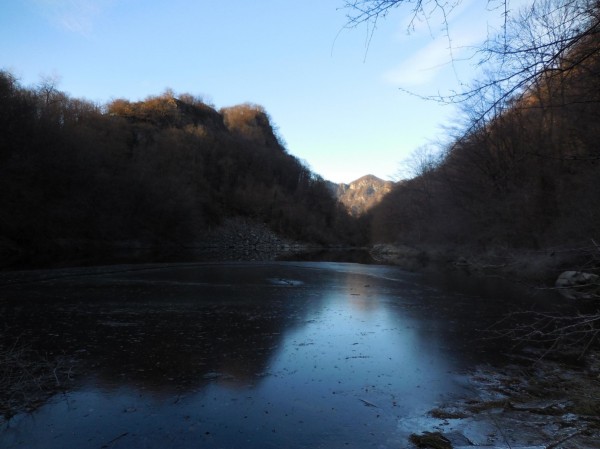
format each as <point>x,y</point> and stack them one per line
<point>78,178</point>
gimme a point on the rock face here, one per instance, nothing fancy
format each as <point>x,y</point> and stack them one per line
<point>579,285</point>
<point>361,195</point>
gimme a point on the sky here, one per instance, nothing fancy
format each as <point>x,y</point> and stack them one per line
<point>337,94</point>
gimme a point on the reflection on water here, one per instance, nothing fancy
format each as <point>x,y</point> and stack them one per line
<point>242,355</point>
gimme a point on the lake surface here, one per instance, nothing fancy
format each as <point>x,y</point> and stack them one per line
<point>246,355</point>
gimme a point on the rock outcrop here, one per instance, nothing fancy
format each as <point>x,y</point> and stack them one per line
<point>361,195</point>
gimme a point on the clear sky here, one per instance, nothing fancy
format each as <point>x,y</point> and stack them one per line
<point>337,104</point>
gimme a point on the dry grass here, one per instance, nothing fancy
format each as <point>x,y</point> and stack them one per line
<point>28,378</point>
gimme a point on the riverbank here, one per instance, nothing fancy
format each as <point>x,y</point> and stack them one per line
<point>534,267</point>
<point>550,397</point>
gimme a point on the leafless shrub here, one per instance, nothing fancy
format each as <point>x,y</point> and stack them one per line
<point>28,378</point>
<point>556,332</point>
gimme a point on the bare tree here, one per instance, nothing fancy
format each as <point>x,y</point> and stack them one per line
<point>535,45</point>
<point>48,88</point>
<point>540,46</point>
<point>422,161</point>
<point>370,11</point>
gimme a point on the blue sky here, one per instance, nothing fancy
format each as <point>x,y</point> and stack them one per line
<point>337,104</point>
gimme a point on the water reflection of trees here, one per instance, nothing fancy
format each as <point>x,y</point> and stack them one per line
<point>160,338</point>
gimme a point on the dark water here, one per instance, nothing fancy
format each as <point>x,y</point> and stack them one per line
<point>245,355</point>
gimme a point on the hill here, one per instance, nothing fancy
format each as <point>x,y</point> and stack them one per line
<point>77,178</point>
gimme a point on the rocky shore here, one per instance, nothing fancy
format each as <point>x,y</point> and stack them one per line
<point>548,405</point>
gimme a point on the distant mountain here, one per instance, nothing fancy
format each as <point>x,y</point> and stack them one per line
<point>362,194</point>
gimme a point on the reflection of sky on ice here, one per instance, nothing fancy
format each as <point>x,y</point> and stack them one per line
<point>355,346</point>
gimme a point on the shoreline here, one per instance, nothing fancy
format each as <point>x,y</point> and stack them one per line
<point>530,267</point>
<point>550,397</point>
<point>521,407</point>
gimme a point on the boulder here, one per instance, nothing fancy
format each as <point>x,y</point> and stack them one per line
<point>578,285</point>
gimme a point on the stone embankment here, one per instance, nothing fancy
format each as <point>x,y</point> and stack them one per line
<point>246,240</point>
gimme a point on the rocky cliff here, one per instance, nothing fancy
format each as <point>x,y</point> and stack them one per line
<point>361,195</point>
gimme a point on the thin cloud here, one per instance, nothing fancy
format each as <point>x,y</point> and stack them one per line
<point>422,67</point>
<point>76,16</point>
<point>442,52</point>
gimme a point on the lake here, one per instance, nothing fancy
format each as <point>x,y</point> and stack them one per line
<point>246,355</point>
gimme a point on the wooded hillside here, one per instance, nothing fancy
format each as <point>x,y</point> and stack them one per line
<point>75,176</point>
<point>526,172</point>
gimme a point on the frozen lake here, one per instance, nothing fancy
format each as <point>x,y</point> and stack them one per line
<point>244,355</point>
